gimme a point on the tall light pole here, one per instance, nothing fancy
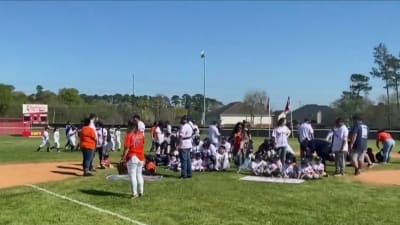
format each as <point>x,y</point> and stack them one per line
<point>203,56</point>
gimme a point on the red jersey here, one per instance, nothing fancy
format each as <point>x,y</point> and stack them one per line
<point>237,140</point>
<point>383,136</point>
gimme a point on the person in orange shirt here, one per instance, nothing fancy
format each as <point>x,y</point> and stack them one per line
<point>133,156</point>
<point>387,142</point>
<point>87,145</point>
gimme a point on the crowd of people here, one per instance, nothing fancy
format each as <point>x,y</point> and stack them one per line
<point>204,155</point>
<point>181,149</point>
<point>346,144</point>
<point>109,137</point>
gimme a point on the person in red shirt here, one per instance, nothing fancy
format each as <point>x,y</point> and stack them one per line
<point>239,144</point>
<point>87,145</point>
<point>388,143</point>
<point>133,156</point>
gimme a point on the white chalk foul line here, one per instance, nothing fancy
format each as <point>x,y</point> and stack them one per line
<point>87,205</point>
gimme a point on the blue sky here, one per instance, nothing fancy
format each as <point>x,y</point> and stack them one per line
<point>306,50</point>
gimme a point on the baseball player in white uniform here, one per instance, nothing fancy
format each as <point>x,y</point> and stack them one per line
<point>118,138</point>
<point>45,140</point>
<point>56,138</point>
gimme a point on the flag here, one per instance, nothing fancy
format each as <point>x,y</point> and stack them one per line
<point>287,106</point>
<point>202,54</point>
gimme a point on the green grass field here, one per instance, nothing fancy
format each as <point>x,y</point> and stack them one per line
<point>209,198</point>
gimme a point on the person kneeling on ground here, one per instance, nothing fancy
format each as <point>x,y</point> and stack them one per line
<point>222,159</point>
<point>387,142</point>
<point>307,172</point>
<point>134,157</point>
<point>274,167</point>
<point>258,166</point>
<point>291,171</point>
<point>319,167</point>
<point>197,162</point>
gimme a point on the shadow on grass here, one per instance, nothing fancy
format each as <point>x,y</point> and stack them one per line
<point>69,168</point>
<point>165,175</point>
<point>66,173</point>
<point>103,193</point>
<point>76,164</point>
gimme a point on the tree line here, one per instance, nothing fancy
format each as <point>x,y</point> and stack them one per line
<point>69,104</point>
<point>386,113</point>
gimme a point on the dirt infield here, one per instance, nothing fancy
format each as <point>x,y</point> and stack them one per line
<point>31,173</point>
<point>395,155</point>
<point>380,177</point>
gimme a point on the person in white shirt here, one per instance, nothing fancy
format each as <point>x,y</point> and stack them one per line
<point>213,134</point>
<point>307,172</point>
<point>101,142</point>
<point>159,138</point>
<point>227,146</point>
<point>319,167</point>
<point>45,140</point>
<point>118,138</point>
<point>280,136</point>
<point>168,126</point>
<point>305,134</point>
<point>208,149</point>
<point>197,163</point>
<point>196,129</point>
<point>56,138</point>
<point>291,170</point>
<point>197,145</point>
<point>72,138</point>
<point>221,159</point>
<point>258,167</point>
<point>185,145</point>
<point>340,146</point>
<point>112,139</point>
<point>141,126</point>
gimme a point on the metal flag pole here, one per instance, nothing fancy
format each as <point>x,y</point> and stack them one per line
<point>203,56</point>
<point>270,119</point>
<point>291,122</point>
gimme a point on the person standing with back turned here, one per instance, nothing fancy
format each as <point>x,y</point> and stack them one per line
<point>134,157</point>
<point>305,134</point>
<point>358,143</point>
<point>88,146</point>
<point>185,146</point>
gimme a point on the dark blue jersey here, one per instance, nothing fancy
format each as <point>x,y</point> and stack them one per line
<point>361,130</point>
<point>321,147</point>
